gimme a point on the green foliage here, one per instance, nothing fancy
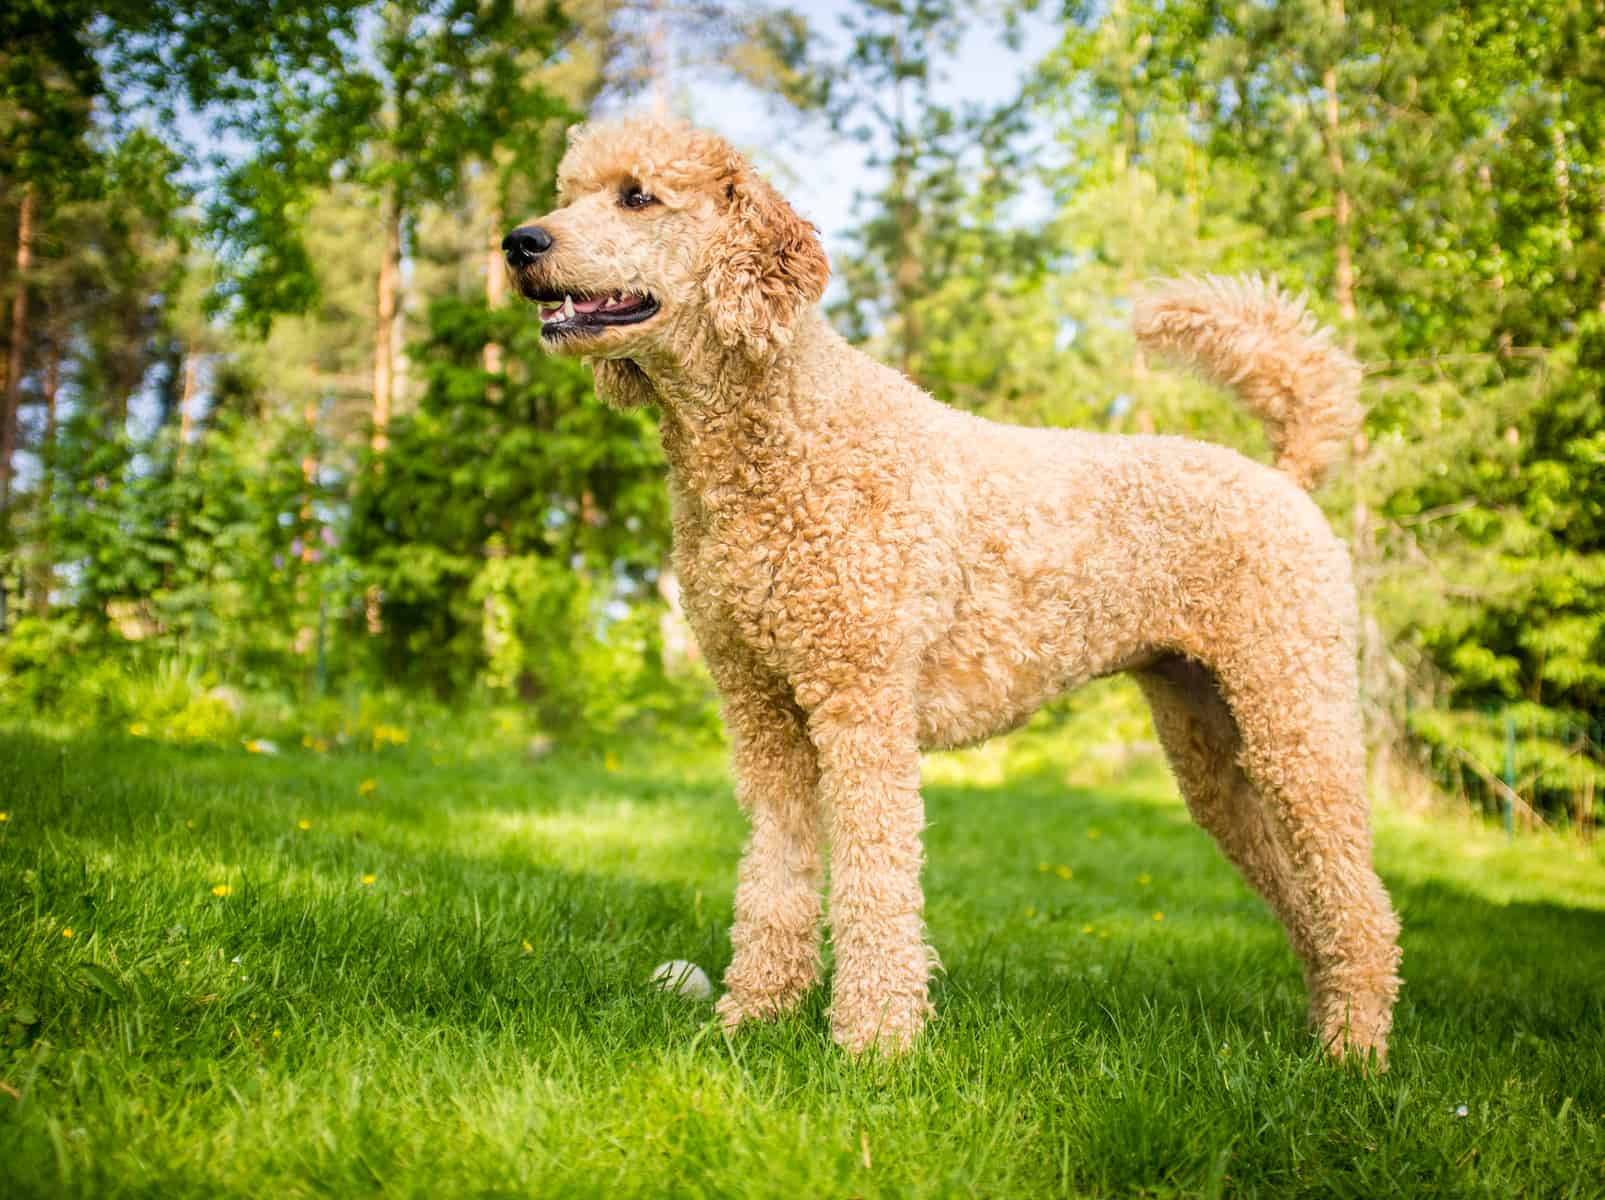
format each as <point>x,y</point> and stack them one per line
<point>1437,170</point>
<point>505,517</point>
<point>197,485</point>
<point>245,536</point>
<point>438,89</point>
<point>1522,758</point>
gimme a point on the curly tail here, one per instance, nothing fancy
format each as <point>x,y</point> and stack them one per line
<point>1250,335</point>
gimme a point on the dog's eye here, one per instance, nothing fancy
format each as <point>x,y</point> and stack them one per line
<point>634,196</point>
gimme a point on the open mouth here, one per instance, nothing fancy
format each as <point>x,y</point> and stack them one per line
<point>570,314</point>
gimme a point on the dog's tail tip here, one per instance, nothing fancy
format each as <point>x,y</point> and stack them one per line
<point>1248,333</point>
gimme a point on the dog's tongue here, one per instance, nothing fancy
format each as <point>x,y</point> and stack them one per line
<point>588,306</point>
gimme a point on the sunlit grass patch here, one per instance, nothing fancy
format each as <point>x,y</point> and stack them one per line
<point>449,978</point>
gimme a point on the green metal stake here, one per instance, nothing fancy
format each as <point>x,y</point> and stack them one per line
<point>1510,775</point>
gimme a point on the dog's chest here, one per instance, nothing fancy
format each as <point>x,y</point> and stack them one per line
<point>733,570</point>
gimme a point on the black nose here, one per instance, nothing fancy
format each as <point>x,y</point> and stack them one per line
<point>525,244</point>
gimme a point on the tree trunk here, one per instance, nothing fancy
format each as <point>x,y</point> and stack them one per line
<point>384,334</point>
<point>495,291</point>
<point>1340,197</point>
<point>1126,154</point>
<point>186,400</point>
<point>19,336</point>
<point>44,567</point>
<point>907,270</point>
<point>306,636</point>
<point>658,53</point>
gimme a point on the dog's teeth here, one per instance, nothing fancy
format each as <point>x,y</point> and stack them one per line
<point>568,307</point>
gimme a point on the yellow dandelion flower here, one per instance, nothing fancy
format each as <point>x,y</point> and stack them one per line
<point>253,746</point>
<point>1030,912</point>
<point>1044,867</point>
<point>138,729</point>
<point>303,824</point>
<point>67,932</point>
<point>528,949</point>
<point>1144,879</point>
<point>189,824</point>
<point>306,740</point>
<point>1063,871</point>
<point>1086,929</point>
<point>275,1033</point>
<point>1093,833</point>
<point>368,880</point>
<point>222,889</point>
<point>611,762</point>
<point>368,787</point>
<point>4,817</point>
<point>1159,916</point>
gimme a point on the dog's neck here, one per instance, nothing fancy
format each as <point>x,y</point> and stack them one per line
<point>726,416</point>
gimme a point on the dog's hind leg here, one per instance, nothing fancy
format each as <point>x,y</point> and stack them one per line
<point>777,930</point>
<point>1276,778</point>
<point>1202,744</point>
<point>1298,714</point>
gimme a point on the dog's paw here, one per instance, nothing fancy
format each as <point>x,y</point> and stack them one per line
<point>761,987</point>
<point>732,1012</point>
<point>889,1026</point>
<point>1368,1056</point>
<point>1354,1034</point>
<point>738,1006</point>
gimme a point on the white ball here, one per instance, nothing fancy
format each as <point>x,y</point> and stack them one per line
<point>684,979</point>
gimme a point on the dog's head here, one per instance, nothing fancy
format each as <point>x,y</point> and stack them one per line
<point>665,238</point>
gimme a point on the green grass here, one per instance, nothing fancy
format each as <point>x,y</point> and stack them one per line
<point>476,1020</point>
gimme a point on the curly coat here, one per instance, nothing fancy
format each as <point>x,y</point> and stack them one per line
<point>870,573</point>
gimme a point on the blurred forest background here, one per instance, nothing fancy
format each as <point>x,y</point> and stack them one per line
<point>271,426</point>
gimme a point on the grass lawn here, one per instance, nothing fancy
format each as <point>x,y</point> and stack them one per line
<point>425,972</point>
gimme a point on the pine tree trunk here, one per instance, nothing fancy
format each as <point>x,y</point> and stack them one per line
<point>1126,151</point>
<point>19,337</point>
<point>186,401</point>
<point>906,268</point>
<point>1340,198</point>
<point>44,567</point>
<point>907,276</point>
<point>384,333</point>
<point>310,531</point>
<point>495,291</point>
<point>658,52</point>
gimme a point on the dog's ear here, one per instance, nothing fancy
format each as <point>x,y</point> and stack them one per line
<point>765,266</point>
<point>621,383</point>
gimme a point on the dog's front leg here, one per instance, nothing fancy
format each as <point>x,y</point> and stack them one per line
<point>776,934</point>
<point>869,782</point>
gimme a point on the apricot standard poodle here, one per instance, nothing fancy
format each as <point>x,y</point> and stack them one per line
<point>870,573</point>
